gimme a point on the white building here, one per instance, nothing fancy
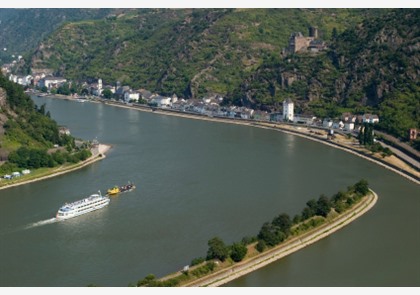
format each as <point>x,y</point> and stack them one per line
<point>51,82</point>
<point>338,124</point>
<point>21,80</point>
<point>161,101</point>
<point>327,123</point>
<point>369,118</point>
<point>349,126</point>
<point>131,96</point>
<point>288,108</point>
<point>302,119</point>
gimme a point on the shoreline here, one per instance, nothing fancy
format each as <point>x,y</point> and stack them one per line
<point>97,155</point>
<point>276,127</point>
<point>240,269</point>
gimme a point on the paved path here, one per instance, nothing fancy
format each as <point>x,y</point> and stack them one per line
<point>226,275</point>
<point>402,155</point>
<point>397,142</point>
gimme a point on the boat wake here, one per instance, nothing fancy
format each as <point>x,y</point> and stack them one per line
<point>40,223</point>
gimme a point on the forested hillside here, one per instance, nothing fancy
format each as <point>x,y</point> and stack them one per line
<point>185,51</point>
<point>370,65</point>
<point>28,134</point>
<point>22,29</point>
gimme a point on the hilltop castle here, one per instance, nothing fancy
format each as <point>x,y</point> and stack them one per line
<point>300,43</point>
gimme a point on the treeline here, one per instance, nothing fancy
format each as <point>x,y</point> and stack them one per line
<point>29,134</point>
<point>271,234</point>
<point>35,158</point>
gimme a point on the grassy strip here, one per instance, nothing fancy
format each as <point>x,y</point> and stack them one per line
<point>43,173</point>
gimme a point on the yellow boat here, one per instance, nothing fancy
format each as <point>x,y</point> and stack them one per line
<point>113,191</point>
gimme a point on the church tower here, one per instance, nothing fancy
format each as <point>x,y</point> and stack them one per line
<point>288,108</point>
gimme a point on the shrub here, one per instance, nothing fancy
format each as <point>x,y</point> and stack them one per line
<point>261,246</point>
<point>148,279</point>
<point>238,252</point>
<point>197,261</point>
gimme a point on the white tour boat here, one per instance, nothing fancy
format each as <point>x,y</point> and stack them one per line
<point>89,204</point>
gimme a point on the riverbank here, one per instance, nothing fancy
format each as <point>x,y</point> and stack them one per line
<point>350,145</point>
<point>237,270</point>
<point>98,153</point>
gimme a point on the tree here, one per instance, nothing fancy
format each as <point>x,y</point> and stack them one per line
<point>271,234</point>
<point>84,91</point>
<point>307,213</point>
<point>339,197</point>
<point>64,89</point>
<point>197,261</point>
<point>361,187</point>
<point>148,279</point>
<point>217,249</point>
<point>261,246</point>
<point>310,209</point>
<point>323,206</point>
<point>238,252</point>
<point>107,93</point>
<point>283,222</point>
<point>334,34</point>
<point>296,219</point>
<point>366,134</point>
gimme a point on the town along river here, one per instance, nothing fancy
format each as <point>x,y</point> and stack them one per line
<point>197,180</point>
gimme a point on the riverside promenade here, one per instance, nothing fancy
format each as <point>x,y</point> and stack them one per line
<point>240,269</point>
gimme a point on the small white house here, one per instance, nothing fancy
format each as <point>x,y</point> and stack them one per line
<point>161,101</point>
<point>246,113</point>
<point>349,126</point>
<point>7,176</point>
<point>131,96</point>
<point>302,119</point>
<point>327,123</point>
<point>369,118</point>
<point>338,125</point>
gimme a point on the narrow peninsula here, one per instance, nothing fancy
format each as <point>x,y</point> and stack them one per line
<point>276,239</point>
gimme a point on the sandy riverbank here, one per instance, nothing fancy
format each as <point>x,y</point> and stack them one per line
<point>98,153</point>
<point>240,269</point>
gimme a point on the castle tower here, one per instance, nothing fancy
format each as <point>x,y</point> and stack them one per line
<point>288,109</point>
<point>313,32</point>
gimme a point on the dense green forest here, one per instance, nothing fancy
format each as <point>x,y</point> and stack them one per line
<point>28,134</point>
<point>190,52</point>
<point>19,37</point>
<point>370,64</point>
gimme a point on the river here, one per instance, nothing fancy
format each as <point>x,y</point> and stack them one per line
<point>197,180</point>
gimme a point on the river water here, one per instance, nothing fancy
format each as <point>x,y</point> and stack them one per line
<point>197,180</point>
